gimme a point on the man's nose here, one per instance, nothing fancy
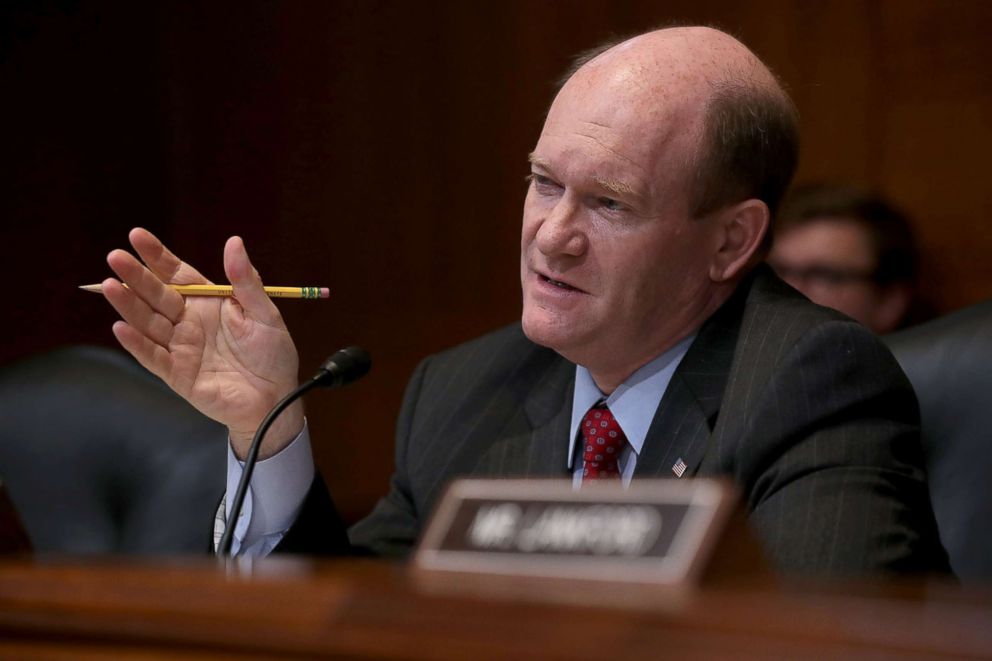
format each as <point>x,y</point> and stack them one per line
<point>561,232</point>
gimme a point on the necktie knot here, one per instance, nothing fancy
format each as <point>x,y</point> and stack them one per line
<point>603,442</point>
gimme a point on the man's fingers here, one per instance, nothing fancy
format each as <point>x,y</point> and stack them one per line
<point>247,284</point>
<point>145,285</point>
<point>152,357</point>
<point>161,261</point>
<point>137,313</point>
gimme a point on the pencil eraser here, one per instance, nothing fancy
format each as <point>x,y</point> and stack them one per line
<point>325,292</point>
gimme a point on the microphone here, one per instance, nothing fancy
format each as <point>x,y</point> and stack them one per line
<point>344,367</point>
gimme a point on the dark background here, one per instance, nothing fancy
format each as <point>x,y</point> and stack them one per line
<point>379,148</point>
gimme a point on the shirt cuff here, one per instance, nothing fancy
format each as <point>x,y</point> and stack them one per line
<point>278,488</point>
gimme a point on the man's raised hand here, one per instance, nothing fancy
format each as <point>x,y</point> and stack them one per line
<point>231,358</point>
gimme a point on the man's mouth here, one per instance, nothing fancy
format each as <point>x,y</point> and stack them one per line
<point>557,283</point>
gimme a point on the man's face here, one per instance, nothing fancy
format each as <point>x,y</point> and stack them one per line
<point>613,269</point>
<point>831,260</point>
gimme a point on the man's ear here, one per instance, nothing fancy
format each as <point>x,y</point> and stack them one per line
<point>741,228</point>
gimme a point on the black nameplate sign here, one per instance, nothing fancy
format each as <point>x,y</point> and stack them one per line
<point>660,531</point>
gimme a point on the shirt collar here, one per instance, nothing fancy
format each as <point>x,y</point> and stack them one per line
<point>634,402</point>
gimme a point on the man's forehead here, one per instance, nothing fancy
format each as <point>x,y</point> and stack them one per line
<point>667,67</point>
<point>626,101</point>
<point>589,144</point>
<point>617,137</point>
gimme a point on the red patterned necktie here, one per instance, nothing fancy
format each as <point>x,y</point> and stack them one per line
<point>603,442</point>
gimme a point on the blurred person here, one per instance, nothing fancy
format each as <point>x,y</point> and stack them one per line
<point>849,250</point>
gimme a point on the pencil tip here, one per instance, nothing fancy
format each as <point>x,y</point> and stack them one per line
<point>93,288</point>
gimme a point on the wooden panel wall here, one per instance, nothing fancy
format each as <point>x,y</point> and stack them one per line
<point>378,147</point>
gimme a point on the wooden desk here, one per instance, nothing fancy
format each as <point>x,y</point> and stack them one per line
<point>284,608</point>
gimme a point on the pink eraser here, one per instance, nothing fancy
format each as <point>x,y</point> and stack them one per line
<point>325,292</point>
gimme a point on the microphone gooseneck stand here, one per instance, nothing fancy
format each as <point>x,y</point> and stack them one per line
<point>342,368</point>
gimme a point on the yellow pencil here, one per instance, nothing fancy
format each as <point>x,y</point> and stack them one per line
<point>228,290</point>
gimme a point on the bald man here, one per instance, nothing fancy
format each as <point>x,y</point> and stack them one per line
<point>645,310</point>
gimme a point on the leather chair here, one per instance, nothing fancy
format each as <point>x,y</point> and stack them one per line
<point>99,456</point>
<point>949,361</point>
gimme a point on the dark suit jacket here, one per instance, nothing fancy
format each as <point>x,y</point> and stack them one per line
<point>805,409</point>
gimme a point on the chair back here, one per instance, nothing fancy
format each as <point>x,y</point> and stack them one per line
<point>99,456</point>
<point>949,362</point>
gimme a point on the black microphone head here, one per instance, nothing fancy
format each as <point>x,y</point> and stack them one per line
<point>345,366</point>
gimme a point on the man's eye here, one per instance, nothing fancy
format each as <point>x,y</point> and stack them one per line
<point>610,204</point>
<point>542,182</point>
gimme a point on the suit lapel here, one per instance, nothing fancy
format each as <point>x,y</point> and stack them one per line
<point>549,410</point>
<point>677,435</point>
<point>534,443</point>
<point>680,431</point>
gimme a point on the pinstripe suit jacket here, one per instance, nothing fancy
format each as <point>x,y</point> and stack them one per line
<point>805,409</point>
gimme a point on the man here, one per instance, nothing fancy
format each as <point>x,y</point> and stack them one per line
<point>848,250</point>
<point>650,197</point>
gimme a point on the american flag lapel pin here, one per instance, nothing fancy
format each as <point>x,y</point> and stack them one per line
<point>679,467</point>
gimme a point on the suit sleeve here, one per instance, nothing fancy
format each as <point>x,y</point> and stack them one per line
<point>318,529</point>
<point>831,460</point>
<point>392,528</point>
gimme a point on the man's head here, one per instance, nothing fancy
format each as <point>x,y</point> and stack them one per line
<point>849,250</point>
<point>651,187</point>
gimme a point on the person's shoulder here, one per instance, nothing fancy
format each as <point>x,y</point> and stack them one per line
<point>501,350</point>
<point>506,338</point>
<point>500,370</point>
<point>782,331</point>
<point>772,301</point>
<point>778,322</point>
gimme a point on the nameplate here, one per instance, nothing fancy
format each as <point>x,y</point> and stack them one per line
<point>660,531</point>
